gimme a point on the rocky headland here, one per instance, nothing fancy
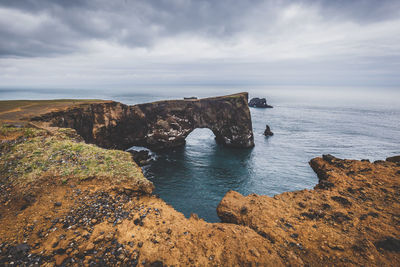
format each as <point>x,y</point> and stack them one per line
<point>66,202</point>
<point>157,125</point>
<point>351,217</point>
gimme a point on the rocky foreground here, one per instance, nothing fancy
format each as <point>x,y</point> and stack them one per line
<point>352,217</point>
<point>56,211</point>
<point>50,218</point>
<point>64,202</point>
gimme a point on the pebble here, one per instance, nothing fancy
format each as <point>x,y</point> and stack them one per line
<point>89,209</point>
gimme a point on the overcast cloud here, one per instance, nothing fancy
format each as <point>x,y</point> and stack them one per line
<point>117,44</point>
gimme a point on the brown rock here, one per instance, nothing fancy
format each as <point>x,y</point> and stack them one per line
<point>333,219</point>
<point>60,258</point>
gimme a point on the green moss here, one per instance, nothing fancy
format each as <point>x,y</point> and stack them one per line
<point>60,157</point>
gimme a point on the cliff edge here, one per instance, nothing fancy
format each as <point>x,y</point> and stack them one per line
<point>351,218</point>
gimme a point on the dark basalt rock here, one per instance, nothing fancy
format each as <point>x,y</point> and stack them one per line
<point>141,157</point>
<point>389,243</point>
<point>267,131</point>
<point>393,159</point>
<point>158,125</point>
<point>259,103</point>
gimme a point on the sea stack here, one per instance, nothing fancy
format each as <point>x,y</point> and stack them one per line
<point>267,131</point>
<point>259,103</point>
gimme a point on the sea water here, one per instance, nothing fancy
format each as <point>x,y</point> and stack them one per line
<point>356,124</point>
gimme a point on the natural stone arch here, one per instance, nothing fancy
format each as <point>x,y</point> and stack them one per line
<point>170,122</point>
<point>161,124</point>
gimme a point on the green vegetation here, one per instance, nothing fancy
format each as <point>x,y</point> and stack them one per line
<point>37,154</point>
<point>6,130</point>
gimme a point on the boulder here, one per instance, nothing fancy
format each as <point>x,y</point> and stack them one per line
<point>259,103</point>
<point>141,157</point>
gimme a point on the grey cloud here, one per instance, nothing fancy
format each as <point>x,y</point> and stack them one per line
<point>360,11</point>
<point>245,34</point>
<point>142,23</point>
<point>132,23</point>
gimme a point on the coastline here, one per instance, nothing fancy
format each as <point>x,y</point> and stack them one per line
<point>151,232</point>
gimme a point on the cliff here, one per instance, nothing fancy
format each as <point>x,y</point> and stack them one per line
<point>158,125</point>
<point>351,217</point>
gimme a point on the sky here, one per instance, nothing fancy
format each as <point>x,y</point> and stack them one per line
<point>125,43</point>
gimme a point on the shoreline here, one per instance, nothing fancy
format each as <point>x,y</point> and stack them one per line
<point>145,230</point>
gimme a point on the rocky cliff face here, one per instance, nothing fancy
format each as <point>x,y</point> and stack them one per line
<point>158,125</point>
<point>351,218</point>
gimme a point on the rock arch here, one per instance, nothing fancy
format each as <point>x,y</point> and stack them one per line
<point>159,125</point>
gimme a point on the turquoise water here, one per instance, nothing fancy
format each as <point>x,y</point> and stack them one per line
<point>196,177</point>
<point>306,124</point>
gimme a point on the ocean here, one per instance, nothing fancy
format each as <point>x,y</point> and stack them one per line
<point>306,122</point>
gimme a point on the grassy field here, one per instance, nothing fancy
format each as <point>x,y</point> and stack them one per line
<point>15,110</point>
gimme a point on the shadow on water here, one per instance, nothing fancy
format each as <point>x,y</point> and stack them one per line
<point>194,178</point>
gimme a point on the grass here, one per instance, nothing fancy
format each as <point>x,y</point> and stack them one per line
<point>6,105</point>
<point>36,153</point>
<point>22,110</point>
